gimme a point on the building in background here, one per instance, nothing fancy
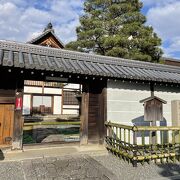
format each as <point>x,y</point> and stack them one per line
<point>171,61</point>
<point>50,97</point>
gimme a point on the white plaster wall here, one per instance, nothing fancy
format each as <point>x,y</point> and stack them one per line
<point>26,104</point>
<point>28,89</point>
<point>168,94</point>
<point>57,105</point>
<point>123,101</point>
<point>73,86</point>
<point>52,91</point>
<point>71,109</point>
<point>71,106</point>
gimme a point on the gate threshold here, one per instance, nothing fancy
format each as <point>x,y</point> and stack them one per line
<point>54,151</point>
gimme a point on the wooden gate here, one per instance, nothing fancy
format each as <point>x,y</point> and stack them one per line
<point>6,124</point>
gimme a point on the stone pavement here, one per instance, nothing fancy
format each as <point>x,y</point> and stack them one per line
<point>79,167</point>
<point>79,163</point>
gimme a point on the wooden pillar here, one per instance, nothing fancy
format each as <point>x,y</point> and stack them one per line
<point>84,115</point>
<point>153,123</point>
<point>152,89</point>
<point>18,119</point>
<point>102,113</point>
<point>93,113</point>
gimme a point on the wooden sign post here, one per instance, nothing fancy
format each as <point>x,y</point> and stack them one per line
<point>153,111</point>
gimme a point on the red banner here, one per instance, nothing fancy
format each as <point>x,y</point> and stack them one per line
<point>19,103</point>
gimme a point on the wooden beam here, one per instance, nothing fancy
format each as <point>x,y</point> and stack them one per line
<point>102,113</point>
<point>84,115</point>
<point>18,119</point>
<point>93,112</point>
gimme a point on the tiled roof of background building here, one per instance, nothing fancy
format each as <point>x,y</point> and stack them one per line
<point>27,56</point>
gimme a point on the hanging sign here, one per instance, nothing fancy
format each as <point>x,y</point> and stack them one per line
<point>18,103</point>
<point>56,79</point>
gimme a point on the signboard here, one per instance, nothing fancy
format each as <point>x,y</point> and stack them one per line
<point>19,103</point>
<point>57,79</point>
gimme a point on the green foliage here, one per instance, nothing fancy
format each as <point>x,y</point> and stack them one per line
<point>27,139</point>
<point>116,28</point>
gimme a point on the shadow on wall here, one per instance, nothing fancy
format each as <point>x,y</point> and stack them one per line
<point>139,121</point>
<point>1,155</point>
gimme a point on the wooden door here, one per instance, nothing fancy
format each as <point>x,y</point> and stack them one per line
<point>6,124</point>
<point>93,113</point>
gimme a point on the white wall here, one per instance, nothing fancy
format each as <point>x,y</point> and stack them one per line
<point>57,105</point>
<point>123,104</point>
<point>26,104</point>
<point>71,109</point>
<point>29,89</point>
<point>72,86</point>
<point>168,94</point>
<point>52,91</point>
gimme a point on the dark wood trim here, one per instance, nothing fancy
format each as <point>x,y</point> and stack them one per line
<point>71,108</point>
<point>70,89</point>
<point>43,88</point>
<point>97,112</point>
<point>40,94</point>
<point>52,104</point>
<point>62,100</point>
<point>84,115</point>
<point>152,88</point>
<point>31,104</point>
<point>7,100</point>
<point>102,114</point>
<point>18,118</point>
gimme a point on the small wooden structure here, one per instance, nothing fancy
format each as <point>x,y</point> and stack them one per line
<point>153,109</point>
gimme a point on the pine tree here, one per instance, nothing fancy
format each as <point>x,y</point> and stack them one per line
<point>116,28</point>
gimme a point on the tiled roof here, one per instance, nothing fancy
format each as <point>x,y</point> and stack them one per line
<point>27,56</point>
<point>152,98</point>
<point>44,34</point>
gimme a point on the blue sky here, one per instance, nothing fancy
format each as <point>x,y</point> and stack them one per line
<point>21,20</point>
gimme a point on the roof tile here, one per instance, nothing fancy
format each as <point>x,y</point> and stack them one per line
<point>33,56</point>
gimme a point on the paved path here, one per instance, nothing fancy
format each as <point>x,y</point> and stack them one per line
<point>69,163</point>
<point>81,167</point>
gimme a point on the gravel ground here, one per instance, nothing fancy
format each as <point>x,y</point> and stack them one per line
<point>125,171</point>
<point>84,167</point>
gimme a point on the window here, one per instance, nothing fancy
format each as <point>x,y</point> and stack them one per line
<point>69,98</point>
<point>42,104</point>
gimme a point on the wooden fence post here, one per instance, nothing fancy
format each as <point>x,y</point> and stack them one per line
<point>135,149</point>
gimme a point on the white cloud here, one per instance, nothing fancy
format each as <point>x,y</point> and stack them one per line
<point>157,2</point>
<point>164,18</point>
<point>21,20</point>
<point>173,49</point>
